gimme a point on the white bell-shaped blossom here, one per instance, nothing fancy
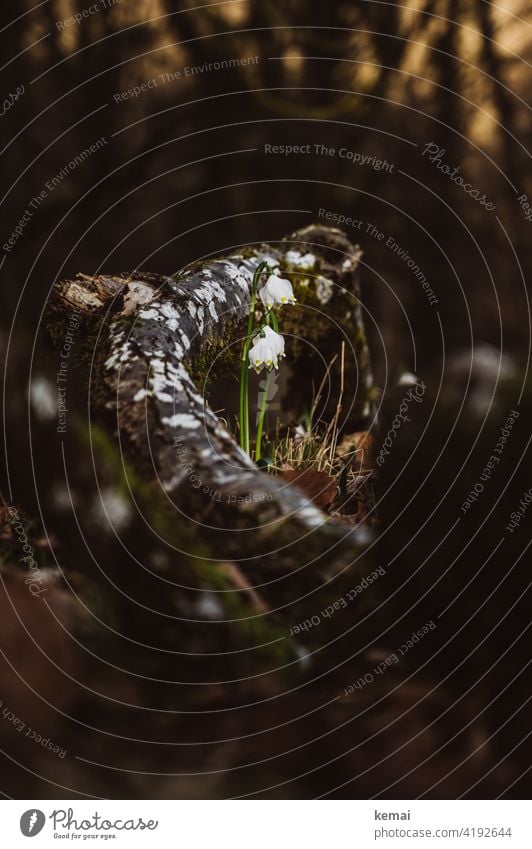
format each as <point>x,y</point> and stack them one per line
<point>266,350</point>
<point>276,290</point>
<point>275,340</point>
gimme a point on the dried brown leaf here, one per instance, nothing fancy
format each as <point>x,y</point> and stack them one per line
<point>319,487</point>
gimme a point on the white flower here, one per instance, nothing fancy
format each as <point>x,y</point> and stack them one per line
<point>276,290</point>
<point>275,340</point>
<point>266,350</point>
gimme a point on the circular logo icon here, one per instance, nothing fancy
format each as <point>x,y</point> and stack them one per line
<point>32,822</point>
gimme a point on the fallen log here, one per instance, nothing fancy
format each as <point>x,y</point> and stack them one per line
<point>151,339</point>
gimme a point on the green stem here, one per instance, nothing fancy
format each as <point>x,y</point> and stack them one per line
<point>244,365</point>
<point>260,423</point>
<point>243,417</point>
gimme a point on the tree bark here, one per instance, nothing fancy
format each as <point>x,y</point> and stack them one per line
<point>152,335</point>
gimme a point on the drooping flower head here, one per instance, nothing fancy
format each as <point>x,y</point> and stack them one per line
<point>276,290</point>
<point>267,349</point>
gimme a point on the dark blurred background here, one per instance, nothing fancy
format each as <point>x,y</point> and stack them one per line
<point>171,182</point>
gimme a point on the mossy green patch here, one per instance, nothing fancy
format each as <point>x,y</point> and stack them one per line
<point>196,566</point>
